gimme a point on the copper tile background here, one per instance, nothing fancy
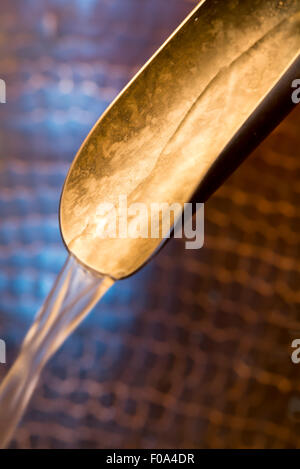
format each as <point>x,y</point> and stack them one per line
<point>194,350</point>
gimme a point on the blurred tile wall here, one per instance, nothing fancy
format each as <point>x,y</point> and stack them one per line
<point>194,350</point>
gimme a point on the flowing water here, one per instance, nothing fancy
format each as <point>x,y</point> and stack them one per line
<point>73,295</point>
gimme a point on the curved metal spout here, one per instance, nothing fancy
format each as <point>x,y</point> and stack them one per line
<point>188,112</point>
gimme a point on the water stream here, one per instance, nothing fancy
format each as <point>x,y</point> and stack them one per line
<point>73,295</point>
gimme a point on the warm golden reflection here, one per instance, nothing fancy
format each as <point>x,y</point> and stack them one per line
<point>158,139</point>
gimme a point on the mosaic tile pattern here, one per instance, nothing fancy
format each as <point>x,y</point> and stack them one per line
<point>194,350</point>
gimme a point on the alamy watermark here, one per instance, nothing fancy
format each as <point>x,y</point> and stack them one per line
<point>152,220</point>
<point>2,351</point>
<point>2,91</point>
<point>2,101</point>
<point>294,401</point>
<point>295,355</point>
<point>296,92</point>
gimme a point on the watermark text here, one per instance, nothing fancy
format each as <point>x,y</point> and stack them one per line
<point>153,220</point>
<point>2,351</point>
<point>2,91</point>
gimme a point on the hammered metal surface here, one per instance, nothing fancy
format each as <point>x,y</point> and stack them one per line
<point>193,351</point>
<point>157,141</point>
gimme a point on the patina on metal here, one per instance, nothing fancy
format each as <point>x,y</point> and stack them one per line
<point>164,133</point>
